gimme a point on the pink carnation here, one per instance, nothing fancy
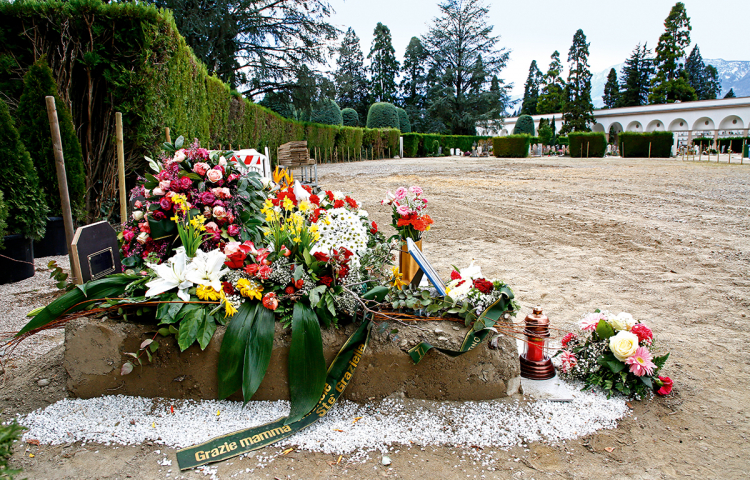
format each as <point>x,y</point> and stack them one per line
<point>590,321</point>
<point>568,361</point>
<point>640,362</point>
<point>416,190</point>
<point>645,335</point>
<point>402,210</point>
<point>400,193</point>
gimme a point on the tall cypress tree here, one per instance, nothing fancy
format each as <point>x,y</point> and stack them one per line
<point>552,95</point>
<point>383,65</point>
<point>350,76</point>
<point>712,84</point>
<point>531,90</point>
<point>413,84</point>
<point>611,90</point>
<point>578,113</point>
<point>671,81</point>
<point>635,78</point>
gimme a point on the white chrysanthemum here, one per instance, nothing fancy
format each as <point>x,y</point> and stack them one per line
<point>341,228</point>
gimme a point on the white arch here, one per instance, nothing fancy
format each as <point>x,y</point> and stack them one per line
<point>678,124</point>
<point>598,128</point>
<point>655,126</point>
<point>704,123</point>
<point>732,122</point>
<point>635,126</point>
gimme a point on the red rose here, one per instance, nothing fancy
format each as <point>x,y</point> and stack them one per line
<point>315,199</point>
<point>567,338</point>
<point>270,301</point>
<point>338,204</point>
<point>289,290</point>
<point>233,230</point>
<point>455,275</point>
<point>228,288</point>
<point>165,204</point>
<point>643,332</point>
<point>374,228</point>
<point>236,259</point>
<point>483,285</point>
<point>666,385</point>
<point>343,271</point>
<point>321,257</point>
<point>326,280</point>
<point>252,269</point>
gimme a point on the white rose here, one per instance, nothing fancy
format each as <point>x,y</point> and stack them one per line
<point>179,155</point>
<point>617,323</point>
<point>627,319</point>
<point>138,215</point>
<point>222,161</point>
<point>158,192</point>
<point>142,238</point>
<point>623,345</point>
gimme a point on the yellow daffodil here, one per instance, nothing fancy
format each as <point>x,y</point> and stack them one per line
<point>288,204</point>
<point>206,292</point>
<point>304,206</point>
<point>396,280</point>
<point>249,288</point>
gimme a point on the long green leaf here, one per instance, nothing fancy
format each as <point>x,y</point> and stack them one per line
<point>307,366</point>
<point>232,352</point>
<point>112,286</point>
<point>206,331</point>
<point>257,351</point>
<point>189,327</point>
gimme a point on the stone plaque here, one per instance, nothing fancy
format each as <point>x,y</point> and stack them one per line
<point>424,268</point>
<point>95,252</point>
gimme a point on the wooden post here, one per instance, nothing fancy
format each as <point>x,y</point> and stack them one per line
<point>742,154</point>
<point>587,149</point>
<point>62,181</point>
<point>121,169</point>
<point>169,139</point>
<point>649,150</point>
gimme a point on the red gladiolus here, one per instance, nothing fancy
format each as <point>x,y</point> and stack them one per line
<point>329,194</point>
<point>307,188</point>
<point>338,204</point>
<point>270,301</point>
<point>236,259</point>
<point>315,199</point>
<point>352,203</point>
<point>666,385</point>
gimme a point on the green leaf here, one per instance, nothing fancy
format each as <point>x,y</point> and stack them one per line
<point>307,366</point>
<point>232,351</point>
<point>298,272</point>
<point>189,328</point>
<point>206,331</point>
<point>646,381</point>
<point>315,294</point>
<point>152,164</point>
<point>153,346</point>
<point>376,293</point>
<point>257,351</point>
<point>604,330</point>
<point>660,361</point>
<point>161,229</point>
<point>179,142</point>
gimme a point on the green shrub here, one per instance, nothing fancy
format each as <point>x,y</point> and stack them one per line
<point>593,144</point>
<point>328,113</point>
<point>27,208</point>
<point>34,130</point>
<point>350,117</point>
<point>382,115</point>
<point>411,144</point>
<point>735,143</point>
<point>431,144</point>
<point>3,218</point>
<point>524,125</point>
<point>403,121</point>
<point>9,434</point>
<point>511,146</point>
<point>634,144</point>
<point>563,140</point>
<point>414,143</point>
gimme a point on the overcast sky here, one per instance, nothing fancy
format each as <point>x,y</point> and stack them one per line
<point>532,30</point>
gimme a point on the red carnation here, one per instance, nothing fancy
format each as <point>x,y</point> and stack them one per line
<point>252,269</point>
<point>315,199</point>
<point>666,385</point>
<point>338,204</point>
<point>329,194</point>
<point>644,333</point>
<point>352,203</point>
<point>374,228</point>
<point>455,275</point>
<point>264,272</point>
<point>567,338</point>
<point>307,188</point>
<point>483,285</point>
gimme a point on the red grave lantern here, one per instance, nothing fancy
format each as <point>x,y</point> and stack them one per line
<point>535,364</point>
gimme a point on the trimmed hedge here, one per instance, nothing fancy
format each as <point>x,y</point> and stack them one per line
<point>382,115</point>
<point>634,144</point>
<point>735,143</point>
<point>596,142</point>
<point>3,218</point>
<point>328,113</point>
<point>524,125</point>
<point>350,117</point>
<point>403,121</point>
<point>421,144</point>
<point>511,146</point>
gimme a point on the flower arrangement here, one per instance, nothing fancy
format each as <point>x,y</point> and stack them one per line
<point>408,212</point>
<point>614,352</point>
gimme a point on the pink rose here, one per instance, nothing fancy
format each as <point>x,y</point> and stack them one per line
<point>212,226</point>
<point>231,247</point>
<point>128,235</point>
<point>219,213</point>
<point>221,192</point>
<point>201,168</point>
<point>138,204</point>
<point>214,175</point>
<point>233,230</point>
<point>165,184</point>
<point>179,155</point>
<point>158,192</point>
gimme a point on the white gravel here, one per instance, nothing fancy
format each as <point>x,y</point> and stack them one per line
<point>383,426</point>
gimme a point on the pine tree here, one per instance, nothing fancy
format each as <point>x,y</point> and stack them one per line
<point>712,84</point>
<point>552,96</point>
<point>578,111</point>
<point>531,90</point>
<point>383,65</point>
<point>671,81</point>
<point>730,93</point>
<point>635,78</point>
<point>413,84</point>
<point>33,127</point>
<point>696,73</point>
<point>350,76</point>
<point>611,90</point>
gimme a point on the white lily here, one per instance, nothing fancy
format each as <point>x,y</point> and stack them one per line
<point>206,268</point>
<point>171,274</point>
<point>300,192</point>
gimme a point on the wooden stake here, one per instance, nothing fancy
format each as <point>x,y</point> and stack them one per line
<point>62,181</point>
<point>169,139</point>
<point>587,149</point>
<point>649,150</point>
<point>121,169</point>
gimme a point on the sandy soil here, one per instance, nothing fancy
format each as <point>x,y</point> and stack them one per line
<point>666,240</point>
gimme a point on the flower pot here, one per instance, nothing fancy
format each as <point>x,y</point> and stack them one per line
<point>407,265</point>
<point>53,242</point>
<point>16,259</point>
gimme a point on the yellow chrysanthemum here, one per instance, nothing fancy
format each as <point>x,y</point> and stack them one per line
<point>207,292</point>
<point>249,288</point>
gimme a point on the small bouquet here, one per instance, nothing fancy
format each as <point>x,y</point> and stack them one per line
<point>614,353</point>
<point>408,212</point>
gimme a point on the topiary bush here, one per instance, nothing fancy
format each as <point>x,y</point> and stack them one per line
<point>34,130</point>
<point>350,117</point>
<point>634,144</point>
<point>596,142</point>
<point>27,208</point>
<point>524,125</point>
<point>403,121</point>
<point>328,113</point>
<point>511,146</point>
<point>382,115</point>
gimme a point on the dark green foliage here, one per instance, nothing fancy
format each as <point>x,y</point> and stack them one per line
<point>634,144</point>
<point>34,130</point>
<point>552,95</point>
<point>703,78</point>
<point>382,115</point>
<point>9,434</point>
<point>635,78</point>
<point>403,121</point>
<point>712,86</point>
<point>25,203</point>
<point>511,146</point>
<point>531,90</point>
<point>279,102</point>
<point>383,65</point>
<point>562,140</point>
<point>420,145</point>
<point>3,218</point>
<point>671,83</point>
<point>730,93</point>
<point>327,113</point>
<point>735,143</point>
<point>611,90</point>
<point>350,76</point>
<point>411,144</point>
<point>350,117</point>
<point>579,111</point>
<point>524,125</point>
<point>413,84</point>
<point>596,142</point>
<point>545,132</point>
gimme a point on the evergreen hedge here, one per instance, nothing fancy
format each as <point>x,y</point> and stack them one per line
<point>511,146</point>
<point>3,218</point>
<point>27,207</point>
<point>350,117</point>
<point>596,142</point>
<point>328,113</point>
<point>415,146</point>
<point>403,121</point>
<point>33,128</point>
<point>634,144</point>
<point>382,115</point>
<point>735,143</point>
<point>524,125</point>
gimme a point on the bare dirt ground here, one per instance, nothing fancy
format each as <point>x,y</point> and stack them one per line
<point>666,240</point>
